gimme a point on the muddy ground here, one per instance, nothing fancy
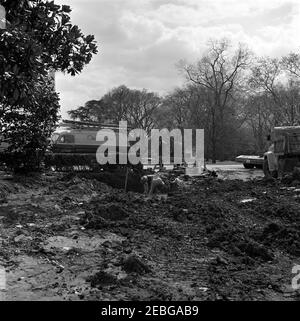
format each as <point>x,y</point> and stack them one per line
<point>65,237</point>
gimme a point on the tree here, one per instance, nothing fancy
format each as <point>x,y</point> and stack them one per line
<point>265,77</point>
<point>292,64</point>
<point>93,110</point>
<point>176,108</point>
<point>270,77</point>
<point>218,72</point>
<point>39,40</point>
<point>289,94</point>
<point>137,107</point>
<point>259,109</point>
<point>190,107</point>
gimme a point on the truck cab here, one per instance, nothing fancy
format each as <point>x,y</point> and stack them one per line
<point>284,152</point>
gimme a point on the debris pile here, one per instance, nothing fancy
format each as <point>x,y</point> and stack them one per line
<point>102,278</point>
<point>134,265</point>
<point>75,237</point>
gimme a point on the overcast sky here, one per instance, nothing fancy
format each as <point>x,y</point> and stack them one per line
<point>140,41</point>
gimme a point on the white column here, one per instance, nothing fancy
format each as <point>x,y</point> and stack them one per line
<point>2,18</point>
<point>2,283</point>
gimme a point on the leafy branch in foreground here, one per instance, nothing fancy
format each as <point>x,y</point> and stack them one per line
<point>39,39</point>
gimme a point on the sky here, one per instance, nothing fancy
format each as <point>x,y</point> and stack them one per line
<point>141,41</point>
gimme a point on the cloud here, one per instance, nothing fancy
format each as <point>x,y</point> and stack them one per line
<point>141,41</point>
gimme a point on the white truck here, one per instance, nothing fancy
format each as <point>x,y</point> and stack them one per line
<point>283,155</point>
<point>251,161</point>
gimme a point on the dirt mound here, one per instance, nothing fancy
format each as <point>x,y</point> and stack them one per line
<point>134,265</point>
<point>286,237</point>
<point>7,187</point>
<point>239,243</point>
<point>102,215</point>
<point>115,179</point>
<point>80,185</point>
<point>255,250</point>
<point>101,278</point>
<point>292,178</point>
<point>91,221</point>
<point>283,208</point>
<point>112,212</point>
<point>202,243</point>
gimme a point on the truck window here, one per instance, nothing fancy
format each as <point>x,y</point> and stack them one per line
<point>67,139</point>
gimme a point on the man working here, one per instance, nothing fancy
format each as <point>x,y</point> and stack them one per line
<point>154,184</point>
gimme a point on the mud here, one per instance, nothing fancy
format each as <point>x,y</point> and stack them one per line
<point>132,264</point>
<point>115,179</point>
<point>70,237</point>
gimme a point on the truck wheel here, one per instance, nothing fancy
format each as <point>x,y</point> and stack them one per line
<point>248,166</point>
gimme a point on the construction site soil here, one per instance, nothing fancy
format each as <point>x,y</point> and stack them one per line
<point>73,237</point>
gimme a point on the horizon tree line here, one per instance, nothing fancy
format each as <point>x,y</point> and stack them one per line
<point>234,95</point>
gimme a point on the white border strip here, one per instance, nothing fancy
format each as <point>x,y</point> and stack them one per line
<point>2,283</point>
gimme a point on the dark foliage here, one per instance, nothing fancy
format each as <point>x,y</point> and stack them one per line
<point>39,39</point>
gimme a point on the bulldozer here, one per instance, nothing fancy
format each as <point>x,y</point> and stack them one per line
<point>283,155</point>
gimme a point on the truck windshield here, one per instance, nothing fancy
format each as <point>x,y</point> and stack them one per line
<point>54,137</point>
